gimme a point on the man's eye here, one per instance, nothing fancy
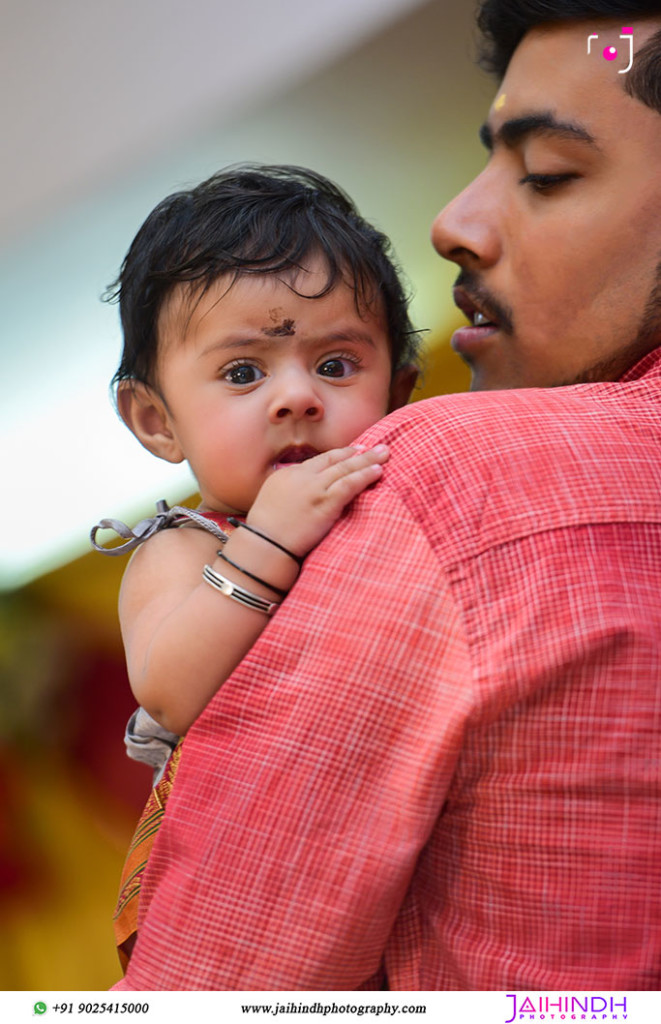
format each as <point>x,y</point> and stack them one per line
<point>336,367</point>
<point>243,373</point>
<point>545,182</point>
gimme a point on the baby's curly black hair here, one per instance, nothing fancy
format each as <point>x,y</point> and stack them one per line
<point>253,219</point>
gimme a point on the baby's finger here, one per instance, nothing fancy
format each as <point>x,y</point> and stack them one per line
<point>341,461</point>
<point>344,480</point>
<point>345,488</point>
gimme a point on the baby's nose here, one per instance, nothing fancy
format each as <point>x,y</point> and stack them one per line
<point>296,396</point>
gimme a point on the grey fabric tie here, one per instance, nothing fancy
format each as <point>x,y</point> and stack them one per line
<point>148,742</point>
<point>165,517</point>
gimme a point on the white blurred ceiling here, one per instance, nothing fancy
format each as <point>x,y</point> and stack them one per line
<point>106,108</point>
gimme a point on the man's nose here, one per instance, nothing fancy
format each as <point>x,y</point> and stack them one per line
<point>467,230</point>
<point>296,396</point>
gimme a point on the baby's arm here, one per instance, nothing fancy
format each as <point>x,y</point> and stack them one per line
<point>182,638</point>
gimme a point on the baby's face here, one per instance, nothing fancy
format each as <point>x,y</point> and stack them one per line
<point>256,377</point>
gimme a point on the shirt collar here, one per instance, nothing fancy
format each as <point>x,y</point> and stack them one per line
<point>648,366</point>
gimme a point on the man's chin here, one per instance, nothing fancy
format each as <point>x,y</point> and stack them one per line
<point>488,379</point>
<point>481,383</point>
<point>515,380</point>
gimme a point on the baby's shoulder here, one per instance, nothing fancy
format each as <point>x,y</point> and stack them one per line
<point>168,558</point>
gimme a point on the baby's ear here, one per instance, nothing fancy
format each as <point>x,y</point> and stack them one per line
<point>146,415</point>
<point>402,385</point>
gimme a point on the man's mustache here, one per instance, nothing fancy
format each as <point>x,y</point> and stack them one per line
<point>492,308</point>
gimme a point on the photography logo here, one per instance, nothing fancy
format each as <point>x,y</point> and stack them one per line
<point>547,1008</point>
<point>611,53</point>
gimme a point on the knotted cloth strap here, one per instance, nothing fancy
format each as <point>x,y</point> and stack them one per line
<point>165,518</point>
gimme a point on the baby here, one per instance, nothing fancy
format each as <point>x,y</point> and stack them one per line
<point>265,328</point>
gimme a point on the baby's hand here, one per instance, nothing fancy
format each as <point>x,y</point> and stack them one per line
<point>298,504</point>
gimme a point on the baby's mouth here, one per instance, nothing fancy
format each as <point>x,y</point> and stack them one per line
<point>294,454</point>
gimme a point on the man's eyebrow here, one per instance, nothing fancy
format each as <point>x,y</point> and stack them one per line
<point>514,131</point>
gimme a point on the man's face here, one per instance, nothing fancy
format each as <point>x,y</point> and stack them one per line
<point>559,238</point>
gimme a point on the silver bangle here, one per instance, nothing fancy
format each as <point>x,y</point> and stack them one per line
<point>237,593</point>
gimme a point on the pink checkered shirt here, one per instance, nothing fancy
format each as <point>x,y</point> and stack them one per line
<point>439,767</point>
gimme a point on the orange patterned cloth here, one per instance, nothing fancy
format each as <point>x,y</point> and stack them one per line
<point>125,920</point>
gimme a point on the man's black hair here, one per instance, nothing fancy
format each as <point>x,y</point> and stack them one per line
<point>503,24</point>
<point>254,219</point>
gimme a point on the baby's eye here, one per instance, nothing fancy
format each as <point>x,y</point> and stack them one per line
<point>336,367</point>
<point>243,373</point>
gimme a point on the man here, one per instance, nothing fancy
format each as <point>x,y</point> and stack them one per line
<point>439,766</point>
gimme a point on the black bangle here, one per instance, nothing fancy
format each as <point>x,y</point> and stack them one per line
<point>251,575</point>
<point>297,558</point>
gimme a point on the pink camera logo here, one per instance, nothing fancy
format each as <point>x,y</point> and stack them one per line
<point>611,53</point>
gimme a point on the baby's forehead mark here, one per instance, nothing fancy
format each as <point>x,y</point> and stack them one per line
<point>282,330</point>
<point>283,326</point>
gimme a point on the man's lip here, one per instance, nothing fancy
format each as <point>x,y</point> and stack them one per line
<point>294,454</point>
<point>468,342</point>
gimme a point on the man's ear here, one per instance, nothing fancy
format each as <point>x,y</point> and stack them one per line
<point>402,385</point>
<point>146,415</point>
